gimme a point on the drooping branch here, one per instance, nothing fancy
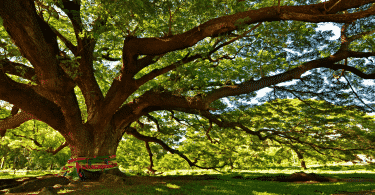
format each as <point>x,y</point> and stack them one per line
<point>360,99</point>
<point>207,131</point>
<point>178,120</point>
<point>299,155</point>
<point>271,135</point>
<point>313,145</point>
<point>49,150</point>
<point>234,125</point>
<point>155,121</point>
<point>136,134</point>
<point>150,168</point>
<point>300,98</point>
<point>208,135</point>
<point>234,39</point>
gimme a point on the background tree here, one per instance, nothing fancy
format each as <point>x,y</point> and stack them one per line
<point>173,56</point>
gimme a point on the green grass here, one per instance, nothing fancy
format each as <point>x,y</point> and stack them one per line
<point>33,173</point>
<point>227,185</point>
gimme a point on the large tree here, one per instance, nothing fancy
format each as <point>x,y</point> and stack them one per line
<point>175,56</point>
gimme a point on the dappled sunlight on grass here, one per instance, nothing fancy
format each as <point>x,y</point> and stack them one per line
<point>172,186</point>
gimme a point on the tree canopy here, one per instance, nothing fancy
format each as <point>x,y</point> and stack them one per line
<point>98,71</point>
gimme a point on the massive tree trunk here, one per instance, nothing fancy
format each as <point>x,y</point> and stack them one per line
<point>93,141</point>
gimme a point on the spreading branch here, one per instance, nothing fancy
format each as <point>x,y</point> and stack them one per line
<point>134,46</point>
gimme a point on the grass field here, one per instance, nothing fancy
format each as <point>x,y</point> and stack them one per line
<point>228,185</point>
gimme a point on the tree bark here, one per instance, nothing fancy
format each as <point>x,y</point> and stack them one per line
<point>97,144</point>
<point>300,156</point>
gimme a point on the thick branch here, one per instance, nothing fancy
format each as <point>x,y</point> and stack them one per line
<point>18,69</point>
<point>87,81</point>
<point>36,106</point>
<point>34,38</point>
<point>13,121</point>
<point>36,42</point>
<point>152,101</point>
<point>226,24</point>
<point>222,123</point>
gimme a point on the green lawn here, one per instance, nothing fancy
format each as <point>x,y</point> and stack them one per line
<point>227,185</point>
